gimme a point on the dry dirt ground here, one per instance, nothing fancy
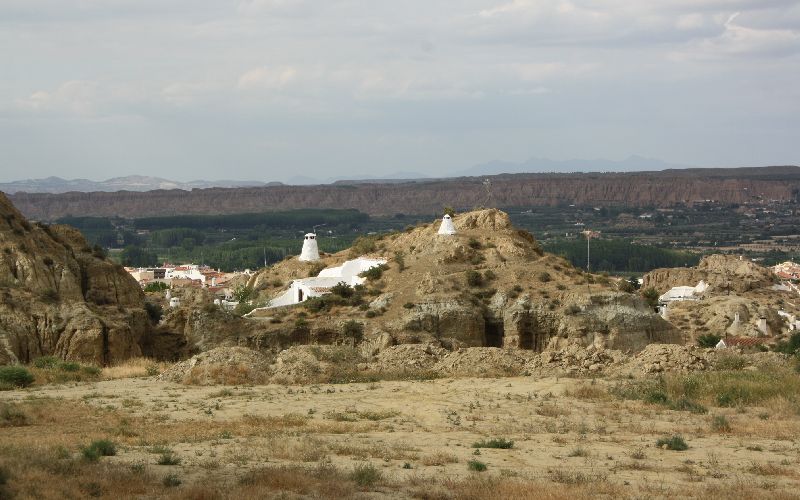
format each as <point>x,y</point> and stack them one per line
<point>399,439</point>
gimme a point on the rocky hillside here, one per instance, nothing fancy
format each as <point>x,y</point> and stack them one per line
<point>723,273</point>
<point>60,297</point>
<point>488,286</point>
<point>736,286</point>
<point>661,189</point>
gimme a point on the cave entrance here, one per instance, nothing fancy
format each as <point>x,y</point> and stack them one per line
<point>494,332</point>
<point>526,339</point>
<point>538,341</point>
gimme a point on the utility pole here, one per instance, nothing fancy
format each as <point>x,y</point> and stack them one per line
<point>588,234</point>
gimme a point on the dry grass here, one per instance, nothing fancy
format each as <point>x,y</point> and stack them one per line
<point>212,374</point>
<point>439,458</point>
<point>590,391</point>
<point>232,446</point>
<point>132,368</point>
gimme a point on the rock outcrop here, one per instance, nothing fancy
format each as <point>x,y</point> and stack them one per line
<point>60,297</point>
<point>723,273</point>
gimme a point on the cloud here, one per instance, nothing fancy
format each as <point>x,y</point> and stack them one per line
<point>267,78</point>
<point>476,78</point>
<point>739,41</point>
<point>77,97</point>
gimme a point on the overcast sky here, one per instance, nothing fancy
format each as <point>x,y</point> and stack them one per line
<point>270,89</point>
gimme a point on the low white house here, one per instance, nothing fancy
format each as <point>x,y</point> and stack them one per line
<point>301,289</point>
<point>187,271</point>
<point>683,293</point>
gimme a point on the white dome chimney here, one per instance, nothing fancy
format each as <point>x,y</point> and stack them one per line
<point>310,250</point>
<point>447,226</point>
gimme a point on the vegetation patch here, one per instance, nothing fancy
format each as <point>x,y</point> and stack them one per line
<point>674,443</point>
<point>15,376</point>
<point>498,443</point>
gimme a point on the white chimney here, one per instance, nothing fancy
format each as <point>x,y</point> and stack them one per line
<point>310,250</point>
<point>762,325</point>
<point>447,226</point>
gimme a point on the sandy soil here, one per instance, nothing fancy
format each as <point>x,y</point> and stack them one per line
<point>424,427</point>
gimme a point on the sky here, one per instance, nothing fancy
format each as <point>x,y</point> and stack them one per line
<point>271,89</point>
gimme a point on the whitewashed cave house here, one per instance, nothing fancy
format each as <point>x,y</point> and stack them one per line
<point>302,289</point>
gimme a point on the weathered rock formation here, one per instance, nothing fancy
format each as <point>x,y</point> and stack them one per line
<point>60,297</point>
<point>736,287</point>
<point>723,273</point>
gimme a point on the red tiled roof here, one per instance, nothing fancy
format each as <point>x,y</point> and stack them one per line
<point>744,341</point>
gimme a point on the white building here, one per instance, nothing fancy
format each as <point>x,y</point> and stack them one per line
<point>447,226</point>
<point>310,250</point>
<point>188,271</point>
<point>683,293</point>
<point>348,273</point>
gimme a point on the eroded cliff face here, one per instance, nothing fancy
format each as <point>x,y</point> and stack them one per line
<point>58,297</point>
<point>661,189</point>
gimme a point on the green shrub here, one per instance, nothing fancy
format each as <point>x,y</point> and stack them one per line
<point>489,275</point>
<point>354,330</point>
<point>498,443</point>
<point>70,366</point>
<point>370,314</point>
<point>720,424</point>
<point>365,474</point>
<point>650,295</point>
<point>46,362</point>
<point>474,278</point>
<point>11,416</point>
<point>408,305</point>
<point>476,465</point>
<point>171,481</point>
<point>104,447</point>
<point>625,286</point>
<point>343,290</point>
<point>685,404</point>
<point>400,260</point>
<point>156,286</point>
<point>90,454</point>
<point>474,243</point>
<point>708,340</point>
<point>374,273</point>
<point>675,443</point>
<point>15,376</point>
<point>92,370</point>
<point>731,362</point>
<point>544,277</point>
<point>168,458</point>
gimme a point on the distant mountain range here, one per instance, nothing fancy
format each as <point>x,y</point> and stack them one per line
<point>130,183</point>
<point>140,183</point>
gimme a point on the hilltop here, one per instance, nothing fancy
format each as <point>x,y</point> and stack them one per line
<point>490,285</point>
